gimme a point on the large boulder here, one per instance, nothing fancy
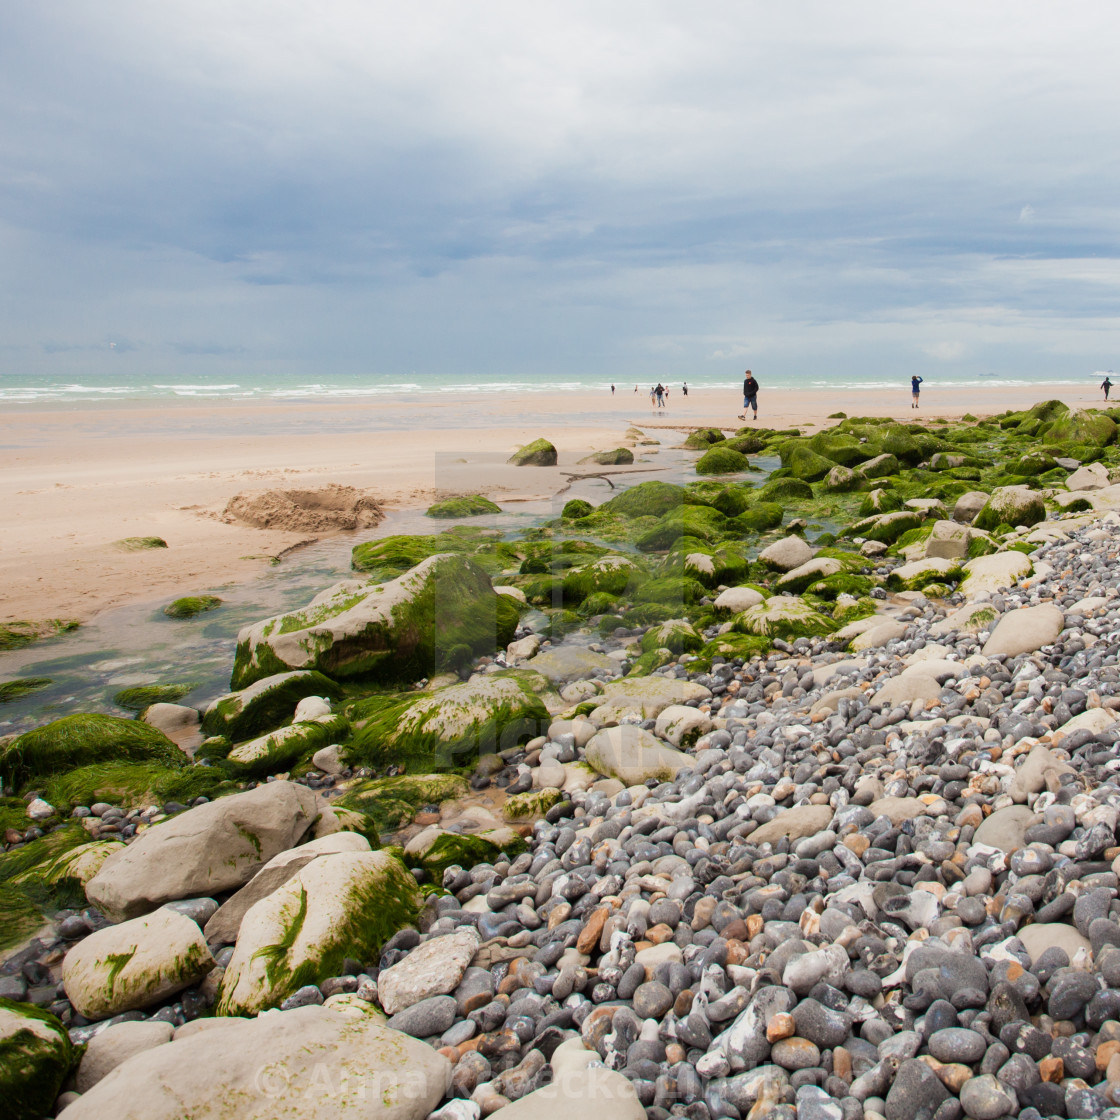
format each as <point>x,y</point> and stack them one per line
<point>881,466</point>
<point>135,964</point>
<point>612,574</point>
<point>566,663</point>
<point>736,599</point>
<point>677,635</point>
<point>115,1045</point>
<point>885,527</point>
<point>442,613</point>
<point>990,573</point>
<point>269,754</point>
<point>948,540</point>
<point>803,462</point>
<point>786,555</point>
<point>452,725</point>
<point>313,1062</point>
<point>968,506</point>
<point>1091,477</point>
<point>1025,631</point>
<point>338,906</point>
<point>539,453</point>
<point>722,460</point>
<point>920,573</point>
<point>265,704</point>
<point>1082,426</point>
<point>797,580</point>
<point>214,847</point>
<point>1011,505</point>
<point>647,499</point>
<point>633,755</point>
<point>644,696</point>
<point>35,1057</point>
<point>433,968</point>
<point>81,740</point>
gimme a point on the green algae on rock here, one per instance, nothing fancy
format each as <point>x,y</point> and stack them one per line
<point>10,691</point>
<point>451,726</point>
<point>471,505</point>
<point>619,456</point>
<point>269,754</point>
<point>344,905</point>
<point>783,616</point>
<point>576,508</point>
<point>408,628</point>
<point>35,1057</point>
<point>700,522</point>
<point>1011,505</point>
<point>702,438</point>
<point>722,460</point>
<point>677,635</point>
<point>265,704</point>
<point>192,605</point>
<point>16,635</point>
<point>79,740</point>
<point>437,850</point>
<point>613,574</point>
<point>142,696</point>
<point>139,544</point>
<point>539,453</point>
<point>531,805</point>
<point>392,802</point>
<point>647,499</point>
<point>135,784</point>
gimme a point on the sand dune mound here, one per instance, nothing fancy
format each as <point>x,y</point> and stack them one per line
<point>305,511</point>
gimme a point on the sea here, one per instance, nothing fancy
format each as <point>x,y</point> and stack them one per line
<point>47,391</point>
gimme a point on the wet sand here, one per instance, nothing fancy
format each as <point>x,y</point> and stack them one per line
<point>74,481</point>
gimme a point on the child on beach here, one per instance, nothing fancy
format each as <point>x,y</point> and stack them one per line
<point>915,381</point>
<point>750,396</point>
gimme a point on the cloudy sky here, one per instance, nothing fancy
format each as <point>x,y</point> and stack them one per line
<point>218,187</point>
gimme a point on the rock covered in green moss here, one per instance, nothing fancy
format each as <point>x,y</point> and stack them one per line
<point>79,740</point>
<point>880,501</point>
<point>819,568</point>
<point>133,784</point>
<point>213,847</point>
<point>803,462</point>
<point>531,805</point>
<point>265,704</point>
<point>786,489</point>
<point>1082,426</point>
<point>139,544</point>
<point>16,635</point>
<point>472,505</point>
<point>451,726</point>
<point>722,460</point>
<point>619,456</point>
<point>677,635</point>
<point>703,438</point>
<point>758,518</point>
<point>647,499</point>
<point>35,1057</point>
<point>885,527</point>
<point>442,611</point>
<point>612,574</point>
<point>1011,505</point>
<point>919,574</point>
<point>10,691</point>
<point>842,479</point>
<point>142,696</point>
<point>192,605</point>
<point>576,508</point>
<point>701,522</point>
<point>392,802</point>
<point>135,964</point>
<point>783,616</point>
<point>646,697</point>
<point>278,750</point>
<point>337,906</point>
<point>539,453</point>
<point>436,850</point>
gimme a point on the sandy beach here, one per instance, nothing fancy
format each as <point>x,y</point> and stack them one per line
<point>73,482</point>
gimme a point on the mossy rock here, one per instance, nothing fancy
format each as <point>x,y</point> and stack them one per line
<point>1078,505</point>
<point>676,635</point>
<point>841,479</point>
<point>880,501</point>
<point>785,617</point>
<point>393,556</point>
<point>845,612</point>
<point>730,647</point>
<point>451,849</point>
<point>671,590</point>
<point>192,605</point>
<point>559,623</point>
<point>730,499</point>
<point>451,726</point>
<point>1033,463</point>
<point>842,583</point>
<point>539,453</point>
<point>726,564</point>
<point>600,603</point>
<point>16,635</point>
<point>722,460</point>
<point>135,784</point>
<point>142,696</point>
<point>885,527</point>
<point>760,517</point>
<point>618,457</point>
<point>408,628</point>
<point>840,447</point>
<point>82,739</point>
<point>703,438</point>
<point>610,574</point>
<point>803,462</point>
<point>746,444</point>
<point>471,505</point>
<point>35,1058</point>
<point>702,522</point>
<point>265,704</point>
<point>391,803</point>
<point>10,691</point>
<point>647,499</point>
<point>139,544</point>
<point>531,805</point>
<point>575,509</point>
<point>650,661</point>
<point>1083,426</point>
<point>1011,506</point>
<point>785,490</point>
<point>279,750</point>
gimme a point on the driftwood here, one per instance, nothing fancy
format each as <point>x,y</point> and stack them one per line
<point>602,474</point>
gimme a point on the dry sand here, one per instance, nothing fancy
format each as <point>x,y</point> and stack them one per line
<point>74,482</point>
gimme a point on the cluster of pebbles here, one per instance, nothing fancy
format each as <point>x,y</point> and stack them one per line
<point>840,910</point>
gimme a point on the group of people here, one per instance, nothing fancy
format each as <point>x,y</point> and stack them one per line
<point>659,394</point>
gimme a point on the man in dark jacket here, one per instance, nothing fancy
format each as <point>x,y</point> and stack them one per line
<point>750,396</point>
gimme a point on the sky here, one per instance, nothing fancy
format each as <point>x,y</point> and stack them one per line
<point>352,187</point>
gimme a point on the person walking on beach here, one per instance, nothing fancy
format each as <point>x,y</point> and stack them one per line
<point>1106,384</point>
<point>612,390</point>
<point>750,396</point>
<point>684,388</point>
<point>915,381</point>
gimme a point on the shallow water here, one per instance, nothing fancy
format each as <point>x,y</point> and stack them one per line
<point>138,644</point>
